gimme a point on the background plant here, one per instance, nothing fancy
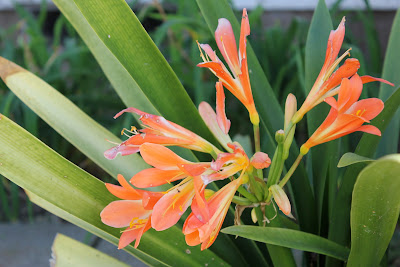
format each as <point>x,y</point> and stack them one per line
<point>317,224</point>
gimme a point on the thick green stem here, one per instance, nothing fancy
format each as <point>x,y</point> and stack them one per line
<point>257,145</point>
<point>286,178</point>
<point>241,201</point>
<point>277,164</point>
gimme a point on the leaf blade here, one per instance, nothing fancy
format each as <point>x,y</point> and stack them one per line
<point>291,239</point>
<point>374,211</point>
<point>352,158</point>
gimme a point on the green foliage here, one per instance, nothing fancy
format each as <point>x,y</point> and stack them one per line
<point>69,252</point>
<point>291,239</point>
<point>374,211</point>
<point>351,158</point>
<point>287,61</point>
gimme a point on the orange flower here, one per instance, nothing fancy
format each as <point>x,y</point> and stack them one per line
<point>158,131</point>
<point>170,167</point>
<point>204,233</point>
<point>347,115</point>
<point>133,212</point>
<point>239,83</point>
<point>328,80</point>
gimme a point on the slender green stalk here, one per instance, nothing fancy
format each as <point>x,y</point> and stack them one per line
<point>291,171</point>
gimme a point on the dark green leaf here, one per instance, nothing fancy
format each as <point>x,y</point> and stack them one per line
<point>291,239</point>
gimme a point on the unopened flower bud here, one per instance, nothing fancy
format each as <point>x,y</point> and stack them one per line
<point>290,109</point>
<point>281,199</point>
<point>280,136</point>
<point>260,160</point>
<point>253,215</point>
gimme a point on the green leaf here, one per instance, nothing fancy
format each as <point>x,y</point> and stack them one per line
<point>67,119</point>
<point>69,252</point>
<point>291,239</point>
<point>339,230</point>
<point>374,211</point>
<point>391,67</point>
<point>71,193</point>
<point>119,31</point>
<point>351,158</point>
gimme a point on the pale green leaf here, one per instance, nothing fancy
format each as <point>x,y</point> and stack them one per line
<point>68,252</point>
<point>352,158</point>
<point>374,211</point>
<point>67,119</point>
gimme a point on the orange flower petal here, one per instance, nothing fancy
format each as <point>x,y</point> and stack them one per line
<point>170,208</point>
<point>350,91</point>
<point>260,160</point>
<point>369,129</point>
<point>348,69</point>
<point>227,44</point>
<point>368,79</point>
<point>121,212</point>
<point>122,193</point>
<point>331,101</point>
<point>366,108</point>
<point>130,235</point>
<point>161,157</point>
<point>155,177</point>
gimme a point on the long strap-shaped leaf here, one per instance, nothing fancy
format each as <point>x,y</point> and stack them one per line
<point>67,119</point>
<point>70,252</point>
<point>391,67</point>
<point>291,239</point>
<point>339,230</point>
<point>120,31</point>
<point>374,211</point>
<point>75,195</point>
<point>270,112</point>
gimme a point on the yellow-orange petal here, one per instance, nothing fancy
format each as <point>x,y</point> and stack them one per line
<point>170,208</point>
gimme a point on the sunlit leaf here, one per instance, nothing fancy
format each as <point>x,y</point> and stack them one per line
<point>351,158</point>
<point>374,211</point>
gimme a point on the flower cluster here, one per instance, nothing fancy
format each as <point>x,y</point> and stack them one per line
<point>142,209</point>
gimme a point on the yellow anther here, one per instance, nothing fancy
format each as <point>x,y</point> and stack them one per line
<point>180,207</point>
